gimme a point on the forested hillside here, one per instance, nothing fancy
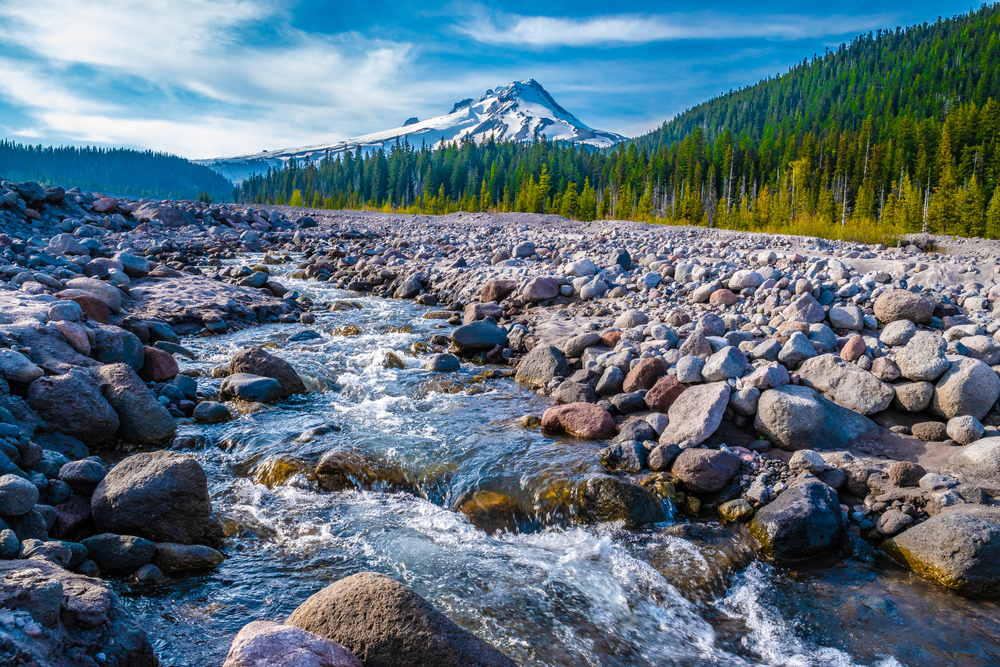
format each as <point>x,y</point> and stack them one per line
<point>120,171</point>
<point>896,132</point>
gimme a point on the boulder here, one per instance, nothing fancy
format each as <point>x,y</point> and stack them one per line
<point>81,476</point>
<point>143,420</point>
<point>965,429</point>
<point>574,392</point>
<point>806,309</point>
<point>605,498</point>
<point>17,496</point>
<point>575,346</point>
<point>134,266</point>
<point>497,289</point>
<point>611,382</point>
<point>847,317</point>
<point>257,361</point>
<point>91,307</point>
<point>73,404</point>
<point>78,615</point>
<point>109,294</point>
<point>663,456</point>
<point>696,413</point>
<point>913,396</point>
<point>582,419</point>
<point>540,289</point>
<point>903,305</point>
<point>162,496</point>
<point>644,374</point>
<point>959,549</point>
<point>210,412</point>
<point>968,387</point>
<point>981,459</point>
<point>442,363</point>
<point>741,280</point>
<point>795,417</point>
<point>898,333</point>
<point>482,336</point>
<point>409,288</point>
<point>930,431</point>
<point>846,384</point>
<point>727,363</point>
<point>266,644</point>
<point>705,470</point>
<point>922,359</point>
<point>480,311</point>
<point>627,456</point>
<point>541,365</point>
<point>631,319</point>
<point>158,365</point>
<point>114,345</point>
<point>15,367</point>
<point>802,522</point>
<point>386,624</point>
<point>171,557</point>
<point>119,553</point>
<point>252,388</point>
<point>663,394</point>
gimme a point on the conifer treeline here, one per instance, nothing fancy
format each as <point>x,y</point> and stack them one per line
<point>120,171</point>
<point>897,131</point>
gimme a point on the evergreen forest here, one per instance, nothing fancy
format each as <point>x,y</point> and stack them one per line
<point>896,132</point>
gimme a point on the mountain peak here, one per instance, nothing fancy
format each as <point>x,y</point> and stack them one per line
<point>516,111</point>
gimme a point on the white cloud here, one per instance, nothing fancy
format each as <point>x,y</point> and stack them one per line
<point>548,31</point>
<point>195,77</point>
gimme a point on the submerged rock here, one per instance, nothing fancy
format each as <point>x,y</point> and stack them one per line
<point>257,361</point>
<point>386,624</point>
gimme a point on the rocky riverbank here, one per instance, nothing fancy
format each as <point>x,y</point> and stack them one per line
<point>826,397</point>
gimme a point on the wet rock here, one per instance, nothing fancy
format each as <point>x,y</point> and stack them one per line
<point>492,512</point>
<point>481,336</point>
<point>257,361</point>
<point>913,396</point>
<point>266,644</point>
<point>644,374</point>
<point>964,430</point>
<point>802,522</point>
<point>959,549</point>
<point>78,615</point>
<point>923,358</point>
<point>903,305</point>
<point>582,419</point>
<point>705,470</point>
<point>980,459</point>
<point>968,387</point>
<point>119,553</point>
<point>663,394</point>
<point>796,417</point>
<point>210,412</point>
<point>627,456</point>
<point>73,404</point>
<point>17,496</point>
<point>171,557</point>
<point>738,510</point>
<point>442,363</point>
<point>696,413</point>
<point>162,496</point>
<point>541,365</point>
<point>386,624</point>
<point>142,419</point>
<point>253,388</point>
<point>607,498</point>
<point>846,384</point>
<point>930,431</point>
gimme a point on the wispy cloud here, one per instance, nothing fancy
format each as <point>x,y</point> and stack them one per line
<point>623,29</point>
<point>192,76</point>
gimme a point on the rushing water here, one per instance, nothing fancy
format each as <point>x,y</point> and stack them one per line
<point>546,590</point>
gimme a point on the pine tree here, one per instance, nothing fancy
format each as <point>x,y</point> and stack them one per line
<point>296,199</point>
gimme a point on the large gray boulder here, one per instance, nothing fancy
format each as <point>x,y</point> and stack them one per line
<point>959,549</point>
<point>142,419</point>
<point>386,624</point>
<point>696,413</point>
<point>922,359</point>
<point>903,305</point>
<point>74,405</point>
<point>162,496</point>
<point>795,417</point>
<point>70,615</point>
<point>539,366</point>
<point>802,522</point>
<point>968,387</point>
<point>257,361</point>
<point>846,384</point>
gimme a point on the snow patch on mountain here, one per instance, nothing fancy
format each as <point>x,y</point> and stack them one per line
<point>515,112</point>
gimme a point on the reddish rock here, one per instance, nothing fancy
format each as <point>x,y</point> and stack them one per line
<point>497,290</point>
<point>480,311</point>
<point>705,470</point>
<point>723,297</point>
<point>105,205</point>
<point>663,394</point>
<point>158,365</point>
<point>854,348</point>
<point>92,307</point>
<point>611,338</point>
<point>644,374</point>
<point>70,516</point>
<point>583,419</point>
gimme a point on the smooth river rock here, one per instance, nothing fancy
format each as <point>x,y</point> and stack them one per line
<point>795,417</point>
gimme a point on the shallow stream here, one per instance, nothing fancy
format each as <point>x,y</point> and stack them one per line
<point>542,587</point>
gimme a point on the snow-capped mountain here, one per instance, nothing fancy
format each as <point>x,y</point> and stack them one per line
<point>514,112</point>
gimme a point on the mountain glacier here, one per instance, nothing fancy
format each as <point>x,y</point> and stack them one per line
<point>515,112</point>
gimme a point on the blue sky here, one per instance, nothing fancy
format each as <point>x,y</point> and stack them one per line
<point>205,78</point>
